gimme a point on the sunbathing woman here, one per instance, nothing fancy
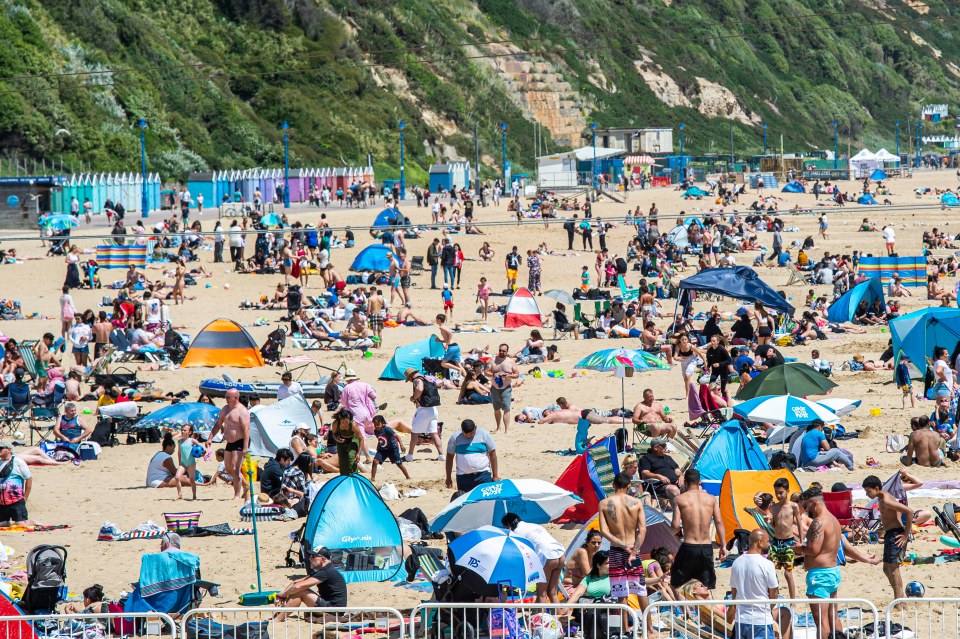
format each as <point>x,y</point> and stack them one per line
<point>279,301</point>
<point>308,328</point>
<point>937,292</point>
<point>12,359</point>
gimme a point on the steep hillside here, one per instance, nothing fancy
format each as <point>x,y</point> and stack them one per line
<point>214,78</point>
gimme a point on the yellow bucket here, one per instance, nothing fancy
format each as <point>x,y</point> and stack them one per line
<point>875,412</point>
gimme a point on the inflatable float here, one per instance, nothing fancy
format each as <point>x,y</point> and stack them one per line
<point>218,387</point>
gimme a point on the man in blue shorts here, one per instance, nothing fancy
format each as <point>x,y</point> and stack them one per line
<point>820,560</point>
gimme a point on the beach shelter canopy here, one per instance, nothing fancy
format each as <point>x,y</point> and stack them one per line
<point>582,478</point>
<point>846,305</point>
<point>740,282</point>
<point>792,378</point>
<point>886,156</point>
<point>373,258</point>
<point>732,447</point>
<point>695,192</point>
<point>411,356</point>
<point>793,187</point>
<point>865,161</point>
<point>659,534</point>
<point>916,334</point>
<point>950,199</point>
<point>272,425</point>
<point>522,310</point>
<point>678,237</point>
<point>224,343</point>
<point>736,495</point>
<point>388,217</point>
<point>349,517</point>
<point>879,175</point>
<point>867,199</point>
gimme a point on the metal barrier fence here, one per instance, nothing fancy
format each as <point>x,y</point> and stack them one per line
<point>293,623</point>
<point>792,618</point>
<point>510,621</point>
<point>143,625</point>
<point>923,618</point>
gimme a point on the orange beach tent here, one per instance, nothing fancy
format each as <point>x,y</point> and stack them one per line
<point>736,495</point>
<point>223,343</point>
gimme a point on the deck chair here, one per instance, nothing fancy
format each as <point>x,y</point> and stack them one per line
<point>426,560</point>
<point>799,277</point>
<point>562,329</point>
<point>604,465</point>
<point>12,418</point>
<point>33,368</point>
<point>840,505</point>
<point>627,294</point>
<point>102,364</point>
<point>169,583</point>
<point>416,265</point>
<point>43,417</point>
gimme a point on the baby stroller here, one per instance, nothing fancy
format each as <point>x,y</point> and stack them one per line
<point>273,347</point>
<point>453,584</point>
<point>46,579</point>
<point>92,270</point>
<point>59,242</point>
<point>175,346</point>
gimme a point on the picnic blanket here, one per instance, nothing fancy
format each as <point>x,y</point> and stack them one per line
<point>4,529</point>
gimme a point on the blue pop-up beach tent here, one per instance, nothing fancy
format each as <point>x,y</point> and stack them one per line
<point>878,175</point>
<point>388,217</point>
<point>916,334</point>
<point>349,517</point>
<point>842,310</point>
<point>694,192</point>
<point>372,258</point>
<point>740,282</point>
<point>731,448</point>
<point>411,356</point>
<point>793,187</point>
<point>866,198</point>
<point>950,199</point>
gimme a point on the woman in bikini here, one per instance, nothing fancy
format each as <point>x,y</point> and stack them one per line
<point>179,283</point>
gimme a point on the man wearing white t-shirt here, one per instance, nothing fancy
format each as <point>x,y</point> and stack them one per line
<point>288,387</point>
<point>890,237</point>
<point>153,310</point>
<point>753,577</point>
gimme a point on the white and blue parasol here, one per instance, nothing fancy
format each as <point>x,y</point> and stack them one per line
<point>498,557</point>
<point>533,500</point>
<point>840,406</point>
<point>784,410</point>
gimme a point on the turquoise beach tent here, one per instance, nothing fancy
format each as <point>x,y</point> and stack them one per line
<point>349,517</point>
<point>878,175</point>
<point>793,187</point>
<point>866,198</point>
<point>411,356</point>
<point>842,310</point>
<point>950,199</point>
<point>916,334</point>
<point>372,258</point>
<point>694,192</point>
<point>731,448</point>
<point>388,217</point>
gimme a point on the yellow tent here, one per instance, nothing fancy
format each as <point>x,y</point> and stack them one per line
<point>223,343</point>
<point>736,495</point>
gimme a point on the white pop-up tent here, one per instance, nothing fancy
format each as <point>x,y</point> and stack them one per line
<point>886,157</point>
<point>864,162</point>
<point>271,426</point>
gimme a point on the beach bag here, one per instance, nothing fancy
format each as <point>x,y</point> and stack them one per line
<point>895,443</point>
<point>430,396</point>
<point>783,459</point>
<point>505,625</point>
<point>389,492</point>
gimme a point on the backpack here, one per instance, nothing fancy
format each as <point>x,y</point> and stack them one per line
<point>430,396</point>
<point>783,459</point>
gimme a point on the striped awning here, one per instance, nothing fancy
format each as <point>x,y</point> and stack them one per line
<point>638,159</point>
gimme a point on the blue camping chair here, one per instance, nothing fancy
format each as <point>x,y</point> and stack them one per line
<point>169,583</point>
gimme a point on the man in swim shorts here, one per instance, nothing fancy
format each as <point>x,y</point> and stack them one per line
<point>693,512</point>
<point>896,520</point>
<point>624,525</point>
<point>504,370</point>
<point>786,528</point>
<point>820,559</point>
<point>234,421</point>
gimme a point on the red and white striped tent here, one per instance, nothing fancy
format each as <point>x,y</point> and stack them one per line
<point>522,310</point>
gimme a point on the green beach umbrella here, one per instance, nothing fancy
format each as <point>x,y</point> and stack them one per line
<point>794,379</point>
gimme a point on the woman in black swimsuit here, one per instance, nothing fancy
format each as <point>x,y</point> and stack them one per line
<point>765,324</point>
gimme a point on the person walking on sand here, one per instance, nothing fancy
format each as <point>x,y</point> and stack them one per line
<point>786,530</point>
<point>483,297</point>
<point>234,421</point>
<point>504,370</point>
<point>820,560</point>
<point>896,520</point>
<point>624,524</point>
<point>426,398</point>
<point>693,512</point>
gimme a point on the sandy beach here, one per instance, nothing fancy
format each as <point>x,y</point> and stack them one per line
<point>112,488</point>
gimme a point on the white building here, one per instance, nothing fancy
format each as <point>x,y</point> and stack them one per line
<point>637,141</point>
<point>934,112</point>
<point>559,170</point>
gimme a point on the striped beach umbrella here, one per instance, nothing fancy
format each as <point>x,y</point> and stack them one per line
<point>498,557</point>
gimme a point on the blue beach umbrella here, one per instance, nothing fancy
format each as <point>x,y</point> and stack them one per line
<point>60,222</point>
<point>534,500</point>
<point>610,358</point>
<point>498,557</point>
<point>270,219</point>
<point>784,410</point>
<point>201,416</point>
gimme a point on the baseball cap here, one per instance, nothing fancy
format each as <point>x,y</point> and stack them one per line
<point>322,551</point>
<point>658,441</point>
<point>741,311</point>
<point>445,285</point>
<point>5,444</point>
<point>409,373</point>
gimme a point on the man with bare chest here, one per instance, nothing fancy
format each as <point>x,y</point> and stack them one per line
<point>234,421</point>
<point>624,525</point>
<point>693,512</point>
<point>820,560</point>
<point>503,371</point>
<point>375,315</point>
<point>786,532</point>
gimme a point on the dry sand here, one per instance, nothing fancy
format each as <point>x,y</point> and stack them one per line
<point>112,489</point>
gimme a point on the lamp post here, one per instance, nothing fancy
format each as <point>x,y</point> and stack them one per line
<point>476,151</point>
<point>286,165</point>
<point>683,165</point>
<point>836,159</point>
<point>503,151</point>
<point>593,132</point>
<point>144,200</point>
<point>897,127</point>
<point>916,132</point>
<point>764,138</point>
<point>403,176</point>
<point>731,145</point>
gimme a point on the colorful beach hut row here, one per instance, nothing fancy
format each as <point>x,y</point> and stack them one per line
<point>126,188</point>
<point>240,185</point>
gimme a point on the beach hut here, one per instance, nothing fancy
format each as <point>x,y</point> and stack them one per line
<point>99,192</point>
<point>154,196</point>
<point>202,184</point>
<point>87,189</point>
<point>56,198</point>
<point>131,194</point>
<point>138,191</point>
<point>522,310</point>
<point>268,185</point>
<point>113,191</point>
<point>297,185</point>
<point>441,177</point>
<point>223,343</point>
<point>249,184</point>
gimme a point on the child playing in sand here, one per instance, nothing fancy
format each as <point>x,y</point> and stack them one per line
<point>447,296</point>
<point>388,448</point>
<point>904,382</point>
<point>188,463</point>
<point>483,297</point>
<point>222,474</point>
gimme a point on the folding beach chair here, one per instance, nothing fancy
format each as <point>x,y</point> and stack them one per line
<point>627,294</point>
<point>102,364</point>
<point>416,265</point>
<point>799,277</point>
<point>169,583</point>
<point>12,418</point>
<point>34,369</point>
